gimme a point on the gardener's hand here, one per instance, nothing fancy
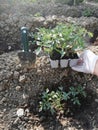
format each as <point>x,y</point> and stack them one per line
<point>87,63</point>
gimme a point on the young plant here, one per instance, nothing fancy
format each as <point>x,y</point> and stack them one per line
<point>88,12</point>
<point>45,104</point>
<point>75,93</point>
<point>50,40</point>
<point>63,38</point>
<point>52,100</point>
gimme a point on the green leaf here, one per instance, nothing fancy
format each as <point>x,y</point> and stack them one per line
<point>38,50</point>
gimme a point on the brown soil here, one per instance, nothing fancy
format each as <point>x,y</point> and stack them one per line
<point>84,117</point>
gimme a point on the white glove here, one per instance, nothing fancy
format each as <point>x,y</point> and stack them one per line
<point>86,62</point>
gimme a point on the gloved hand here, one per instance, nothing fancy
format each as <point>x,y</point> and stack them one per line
<point>86,62</point>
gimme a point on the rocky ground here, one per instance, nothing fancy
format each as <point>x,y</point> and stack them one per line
<point>22,83</point>
<point>15,14</point>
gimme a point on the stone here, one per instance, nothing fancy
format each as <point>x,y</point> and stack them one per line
<point>18,67</point>
<point>18,88</point>
<point>27,110</point>
<point>25,96</point>
<point>4,110</point>
<point>22,79</point>
<point>20,112</point>
<point>96,100</point>
<point>16,74</point>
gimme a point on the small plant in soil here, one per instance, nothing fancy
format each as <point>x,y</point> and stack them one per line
<point>54,101</point>
<point>88,12</point>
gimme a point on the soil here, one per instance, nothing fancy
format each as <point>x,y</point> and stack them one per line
<point>19,89</point>
<point>55,55</point>
<point>71,55</point>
